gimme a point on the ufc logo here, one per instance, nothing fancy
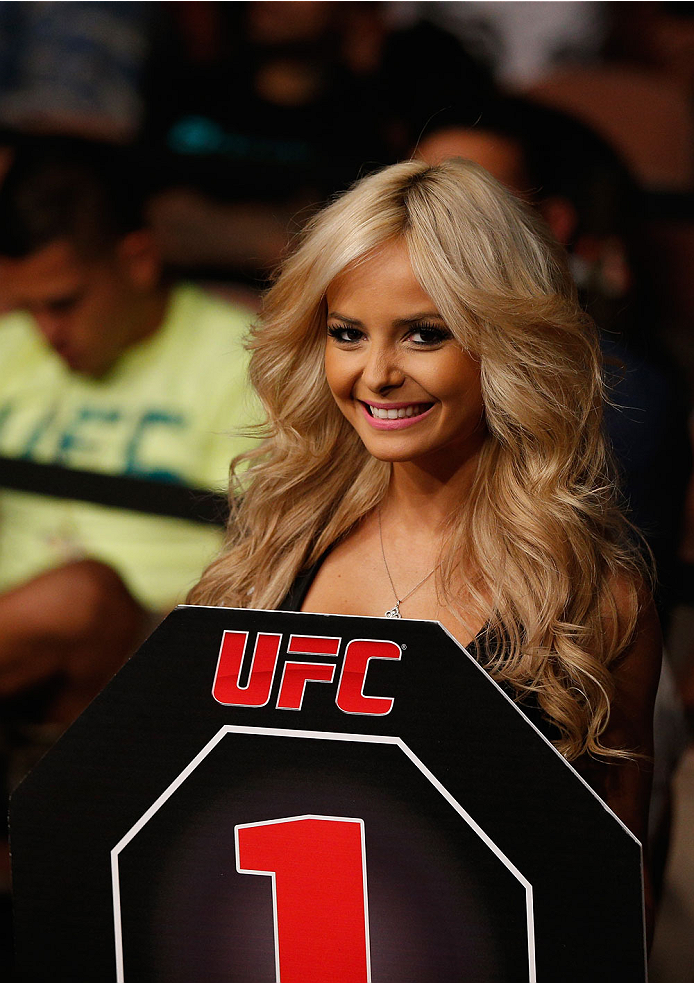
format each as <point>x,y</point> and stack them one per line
<point>257,687</point>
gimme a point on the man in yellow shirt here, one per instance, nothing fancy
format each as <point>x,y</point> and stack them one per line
<point>104,368</point>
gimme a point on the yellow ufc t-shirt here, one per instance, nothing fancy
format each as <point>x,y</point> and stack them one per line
<point>172,409</point>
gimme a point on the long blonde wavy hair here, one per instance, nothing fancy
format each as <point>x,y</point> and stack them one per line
<point>541,528</point>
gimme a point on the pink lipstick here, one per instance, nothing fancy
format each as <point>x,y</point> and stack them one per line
<point>395,416</point>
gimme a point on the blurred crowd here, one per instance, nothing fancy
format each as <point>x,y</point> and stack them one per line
<point>155,161</point>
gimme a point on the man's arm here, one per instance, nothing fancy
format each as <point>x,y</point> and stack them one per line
<point>76,623</point>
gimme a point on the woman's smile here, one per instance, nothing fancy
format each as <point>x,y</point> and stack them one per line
<point>395,416</point>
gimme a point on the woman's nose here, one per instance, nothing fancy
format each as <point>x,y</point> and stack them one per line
<point>381,370</point>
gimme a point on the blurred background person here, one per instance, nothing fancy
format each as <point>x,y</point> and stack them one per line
<point>107,367</point>
<point>258,112</point>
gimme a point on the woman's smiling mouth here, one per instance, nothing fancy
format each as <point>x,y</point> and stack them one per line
<point>394,416</point>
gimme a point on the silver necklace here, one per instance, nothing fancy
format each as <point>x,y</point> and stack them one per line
<point>394,612</point>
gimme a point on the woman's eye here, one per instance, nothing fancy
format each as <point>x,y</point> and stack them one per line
<point>344,334</point>
<point>429,334</point>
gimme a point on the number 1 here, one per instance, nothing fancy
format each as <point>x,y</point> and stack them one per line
<point>318,870</point>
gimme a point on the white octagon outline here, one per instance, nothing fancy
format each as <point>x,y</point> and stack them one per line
<point>322,736</point>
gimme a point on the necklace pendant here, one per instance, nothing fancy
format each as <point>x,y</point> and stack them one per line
<point>394,612</point>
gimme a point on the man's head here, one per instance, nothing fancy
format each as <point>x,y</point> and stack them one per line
<point>553,160</point>
<point>575,180</point>
<point>74,251</point>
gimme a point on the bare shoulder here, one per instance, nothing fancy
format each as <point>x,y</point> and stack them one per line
<point>636,673</point>
<point>637,670</point>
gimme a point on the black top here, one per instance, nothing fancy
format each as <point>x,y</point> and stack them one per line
<point>296,595</point>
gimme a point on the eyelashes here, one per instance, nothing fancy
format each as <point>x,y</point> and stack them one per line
<point>345,334</point>
<point>424,334</point>
<point>430,334</point>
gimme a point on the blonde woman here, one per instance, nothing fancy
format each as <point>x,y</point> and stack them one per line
<point>434,449</point>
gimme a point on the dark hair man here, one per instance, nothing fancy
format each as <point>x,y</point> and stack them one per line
<point>105,370</point>
<point>104,367</point>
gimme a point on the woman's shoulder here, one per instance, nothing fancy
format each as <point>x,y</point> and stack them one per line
<point>631,611</point>
<point>625,784</point>
<point>296,595</point>
<point>636,669</point>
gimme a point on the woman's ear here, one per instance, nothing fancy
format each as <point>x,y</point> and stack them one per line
<point>561,216</point>
<point>140,259</point>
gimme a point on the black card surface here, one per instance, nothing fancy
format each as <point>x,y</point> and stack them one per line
<point>269,796</point>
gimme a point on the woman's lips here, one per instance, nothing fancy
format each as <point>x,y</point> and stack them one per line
<point>394,416</point>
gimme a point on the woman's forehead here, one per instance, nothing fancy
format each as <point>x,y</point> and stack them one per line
<point>385,272</point>
<point>384,257</point>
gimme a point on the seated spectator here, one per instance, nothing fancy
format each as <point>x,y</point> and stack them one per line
<point>105,368</point>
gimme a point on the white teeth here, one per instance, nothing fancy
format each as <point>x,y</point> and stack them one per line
<point>386,414</point>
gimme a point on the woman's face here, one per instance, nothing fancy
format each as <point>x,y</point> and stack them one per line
<point>397,373</point>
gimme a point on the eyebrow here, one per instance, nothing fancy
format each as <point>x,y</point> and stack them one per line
<point>400,322</point>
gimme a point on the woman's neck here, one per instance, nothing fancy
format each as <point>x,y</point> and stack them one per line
<point>418,495</point>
